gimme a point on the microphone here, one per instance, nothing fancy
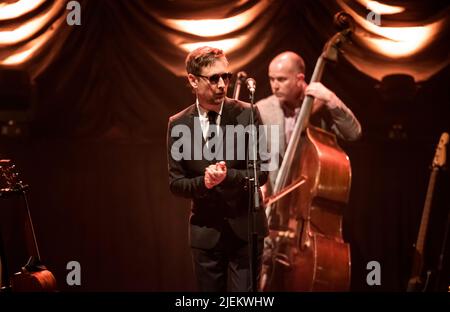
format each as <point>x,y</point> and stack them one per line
<point>251,85</point>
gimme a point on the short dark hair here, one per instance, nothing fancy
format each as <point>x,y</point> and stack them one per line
<point>202,57</point>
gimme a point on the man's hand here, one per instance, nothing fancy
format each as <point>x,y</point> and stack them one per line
<point>215,174</point>
<point>323,94</point>
<point>264,191</point>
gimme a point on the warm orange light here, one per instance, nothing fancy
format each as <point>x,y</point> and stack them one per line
<point>28,51</point>
<point>217,27</point>
<point>227,45</point>
<point>20,57</point>
<point>209,28</point>
<point>19,8</point>
<point>381,8</point>
<point>397,41</point>
<point>403,41</point>
<point>26,30</point>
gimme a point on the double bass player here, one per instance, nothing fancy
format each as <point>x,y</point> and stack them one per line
<point>286,74</point>
<point>287,79</point>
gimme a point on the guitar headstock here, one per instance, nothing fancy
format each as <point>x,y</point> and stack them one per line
<point>440,155</point>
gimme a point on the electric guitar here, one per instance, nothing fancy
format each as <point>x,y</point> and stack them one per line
<point>415,282</point>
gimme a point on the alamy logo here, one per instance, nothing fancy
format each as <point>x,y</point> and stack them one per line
<point>74,16</point>
<point>374,276</point>
<point>74,276</point>
<point>232,143</point>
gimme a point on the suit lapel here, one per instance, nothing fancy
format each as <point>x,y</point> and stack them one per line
<point>197,140</point>
<point>227,117</point>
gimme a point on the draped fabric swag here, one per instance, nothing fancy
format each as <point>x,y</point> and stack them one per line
<point>95,156</point>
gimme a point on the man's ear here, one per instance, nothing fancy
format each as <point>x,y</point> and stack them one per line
<point>300,78</point>
<point>193,81</point>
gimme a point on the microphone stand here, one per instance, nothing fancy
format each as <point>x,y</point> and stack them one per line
<point>241,76</point>
<point>254,202</point>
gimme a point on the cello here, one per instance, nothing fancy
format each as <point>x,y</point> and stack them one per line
<point>310,252</point>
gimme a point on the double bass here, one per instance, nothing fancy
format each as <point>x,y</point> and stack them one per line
<point>310,253</point>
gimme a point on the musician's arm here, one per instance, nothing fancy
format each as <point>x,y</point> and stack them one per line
<point>345,124</point>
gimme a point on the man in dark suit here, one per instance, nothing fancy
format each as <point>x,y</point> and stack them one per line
<point>213,174</point>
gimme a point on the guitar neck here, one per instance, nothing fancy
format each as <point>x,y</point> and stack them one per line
<point>417,264</point>
<point>420,243</point>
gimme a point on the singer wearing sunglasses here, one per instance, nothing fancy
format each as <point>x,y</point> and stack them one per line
<point>217,188</point>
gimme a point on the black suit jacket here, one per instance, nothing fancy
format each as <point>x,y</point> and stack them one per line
<point>226,202</point>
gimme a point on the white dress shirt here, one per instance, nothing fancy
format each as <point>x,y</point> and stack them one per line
<point>204,120</point>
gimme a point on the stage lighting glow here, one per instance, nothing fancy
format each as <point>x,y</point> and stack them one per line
<point>26,30</point>
<point>227,45</point>
<point>27,52</point>
<point>19,8</point>
<point>20,57</point>
<point>381,8</point>
<point>403,41</point>
<point>217,27</point>
<point>395,42</point>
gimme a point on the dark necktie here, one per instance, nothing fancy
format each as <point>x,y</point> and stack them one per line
<point>212,117</point>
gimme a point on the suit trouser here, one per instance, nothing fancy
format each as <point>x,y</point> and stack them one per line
<point>230,255</point>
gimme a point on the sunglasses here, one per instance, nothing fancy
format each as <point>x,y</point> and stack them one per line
<point>214,79</point>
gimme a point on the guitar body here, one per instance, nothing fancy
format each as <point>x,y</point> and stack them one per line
<point>40,281</point>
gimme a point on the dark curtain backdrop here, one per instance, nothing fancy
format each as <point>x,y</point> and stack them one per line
<point>95,156</point>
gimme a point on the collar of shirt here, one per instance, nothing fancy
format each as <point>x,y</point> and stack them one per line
<point>204,121</point>
<point>203,113</point>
